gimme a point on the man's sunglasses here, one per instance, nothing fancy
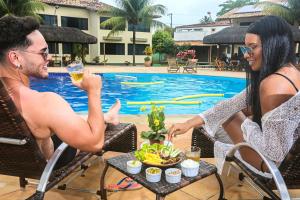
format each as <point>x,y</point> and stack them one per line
<point>43,54</point>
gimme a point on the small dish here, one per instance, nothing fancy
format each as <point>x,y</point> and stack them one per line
<point>173,175</point>
<point>134,166</point>
<point>153,174</point>
<point>190,168</point>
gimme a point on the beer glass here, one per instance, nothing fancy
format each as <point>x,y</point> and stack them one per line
<point>75,69</point>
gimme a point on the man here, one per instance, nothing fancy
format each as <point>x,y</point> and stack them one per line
<point>24,53</point>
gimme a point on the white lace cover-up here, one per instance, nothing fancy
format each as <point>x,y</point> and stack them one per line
<point>280,128</point>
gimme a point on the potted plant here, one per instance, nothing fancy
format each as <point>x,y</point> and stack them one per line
<point>156,122</point>
<point>147,62</point>
<point>147,59</point>
<point>96,59</point>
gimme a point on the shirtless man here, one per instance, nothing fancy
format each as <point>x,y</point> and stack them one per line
<point>24,53</point>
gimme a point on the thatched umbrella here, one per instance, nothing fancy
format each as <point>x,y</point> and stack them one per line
<point>66,35</point>
<point>236,35</point>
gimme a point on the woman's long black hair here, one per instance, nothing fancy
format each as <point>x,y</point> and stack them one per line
<point>277,51</point>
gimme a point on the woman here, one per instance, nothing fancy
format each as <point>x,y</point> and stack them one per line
<point>271,98</point>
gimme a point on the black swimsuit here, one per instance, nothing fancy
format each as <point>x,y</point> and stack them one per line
<point>288,80</point>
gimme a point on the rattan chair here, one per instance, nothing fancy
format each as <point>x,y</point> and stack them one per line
<point>21,156</point>
<point>286,176</point>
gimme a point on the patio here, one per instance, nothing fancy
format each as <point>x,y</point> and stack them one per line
<point>204,189</point>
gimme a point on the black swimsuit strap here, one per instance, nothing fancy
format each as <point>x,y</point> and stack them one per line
<point>288,80</point>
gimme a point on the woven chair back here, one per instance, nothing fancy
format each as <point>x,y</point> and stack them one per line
<point>17,160</point>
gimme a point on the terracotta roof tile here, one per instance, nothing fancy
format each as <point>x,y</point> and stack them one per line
<point>87,4</point>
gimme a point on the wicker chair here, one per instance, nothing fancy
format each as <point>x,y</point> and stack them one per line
<point>21,156</point>
<point>286,176</point>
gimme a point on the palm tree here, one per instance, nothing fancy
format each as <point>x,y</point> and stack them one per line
<point>135,12</point>
<point>231,4</point>
<point>21,7</point>
<point>290,10</point>
<point>206,20</point>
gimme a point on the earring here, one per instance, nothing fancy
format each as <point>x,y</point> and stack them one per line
<point>18,66</point>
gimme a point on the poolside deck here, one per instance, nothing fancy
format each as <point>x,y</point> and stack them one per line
<point>204,189</point>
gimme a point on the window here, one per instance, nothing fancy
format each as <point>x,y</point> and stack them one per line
<point>139,49</point>
<point>198,29</point>
<point>139,28</point>
<point>112,48</point>
<point>53,47</point>
<point>49,20</point>
<point>80,23</point>
<point>103,19</point>
<point>245,23</point>
<point>68,48</point>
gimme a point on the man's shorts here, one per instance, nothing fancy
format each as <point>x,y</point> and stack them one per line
<point>67,156</point>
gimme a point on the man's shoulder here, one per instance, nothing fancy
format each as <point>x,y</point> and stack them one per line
<point>50,99</point>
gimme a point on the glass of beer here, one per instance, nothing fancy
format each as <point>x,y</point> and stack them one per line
<point>193,153</point>
<point>75,70</point>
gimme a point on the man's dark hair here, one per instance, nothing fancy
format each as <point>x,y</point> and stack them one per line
<point>13,32</point>
<point>278,49</point>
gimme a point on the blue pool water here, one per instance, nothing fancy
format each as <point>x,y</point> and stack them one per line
<point>174,85</point>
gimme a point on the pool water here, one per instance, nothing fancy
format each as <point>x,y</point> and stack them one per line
<point>174,85</point>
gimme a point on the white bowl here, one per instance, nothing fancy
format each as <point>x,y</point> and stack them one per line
<point>173,175</point>
<point>189,168</point>
<point>153,177</point>
<point>134,166</point>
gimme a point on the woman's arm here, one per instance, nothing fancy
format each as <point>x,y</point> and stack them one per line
<point>216,116</point>
<point>213,118</point>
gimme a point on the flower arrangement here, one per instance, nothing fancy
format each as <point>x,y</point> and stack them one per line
<point>187,54</point>
<point>156,122</point>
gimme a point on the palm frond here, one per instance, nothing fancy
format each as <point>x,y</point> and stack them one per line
<point>115,23</point>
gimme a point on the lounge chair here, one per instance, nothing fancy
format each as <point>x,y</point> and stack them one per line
<point>190,66</point>
<point>21,156</point>
<point>286,176</point>
<point>173,66</point>
<point>220,65</point>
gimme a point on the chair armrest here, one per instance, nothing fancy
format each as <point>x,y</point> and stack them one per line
<point>281,186</point>
<point>5,140</point>
<point>206,143</point>
<point>49,167</point>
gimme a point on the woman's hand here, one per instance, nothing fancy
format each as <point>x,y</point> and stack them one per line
<point>181,128</point>
<point>177,129</point>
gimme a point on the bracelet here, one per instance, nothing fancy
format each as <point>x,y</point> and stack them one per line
<point>262,166</point>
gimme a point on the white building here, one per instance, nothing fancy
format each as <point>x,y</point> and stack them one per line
<point>193,35</point>
<point>82,14</point>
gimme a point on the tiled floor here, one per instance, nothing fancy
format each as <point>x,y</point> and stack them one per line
<point>204,189</point>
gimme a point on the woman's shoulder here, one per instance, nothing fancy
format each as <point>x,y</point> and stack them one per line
<point>275,90</point>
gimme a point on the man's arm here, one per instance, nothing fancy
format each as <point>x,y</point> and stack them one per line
<point>70,127</point>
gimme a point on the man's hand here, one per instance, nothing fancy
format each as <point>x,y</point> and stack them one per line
<point>90,82</point>
<point>177,129</point>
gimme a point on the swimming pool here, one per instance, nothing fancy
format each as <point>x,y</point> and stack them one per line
<point>174,85</point>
